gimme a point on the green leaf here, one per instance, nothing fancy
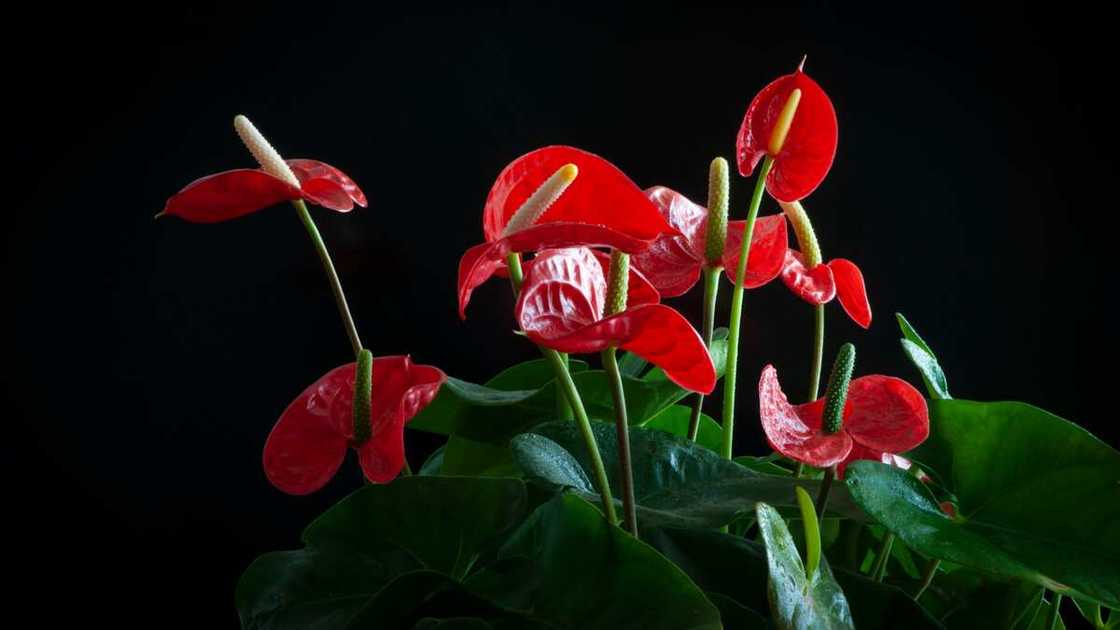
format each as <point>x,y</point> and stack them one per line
<point>736,616</point>
<point>737,568</point>
<point>797,601</point>
<point>675,420</point>
<point>766,464</point>
<point>355,548</point>
<point>590,574</point>
<point>1039,498</point>
<point>434,463</point>
<point>469,458</point>
<point>531,375</point>
<point>456,623</point>
<point>676,483</point>
<point>924,359</point>
<point>632,365</point>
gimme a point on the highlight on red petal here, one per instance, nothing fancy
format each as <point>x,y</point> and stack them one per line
<point>851,291</point>
<point>886,414</point>
<point>809,147</point>
<point>564,291</point>
<point>815,286</point>
<point>639,289</point>
<point>326,186</point>
<point>309,442</point>
<point>228,195</point>
<point>673,262</point>
<point>767,257</point>
<point>796,431</point>
<point>601,195</point>
<point>482,261</point>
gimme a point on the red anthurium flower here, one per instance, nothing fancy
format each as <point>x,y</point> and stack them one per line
<point>839,278</point>
<point>235,193</point>
<point>596,205</point>
<point>673,262</point>
<point>803,159</point>
<point>883,415</point>
<point>309,442</point>
<point>561,307</point>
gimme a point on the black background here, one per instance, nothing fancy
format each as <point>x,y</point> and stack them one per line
<point>146,361</point>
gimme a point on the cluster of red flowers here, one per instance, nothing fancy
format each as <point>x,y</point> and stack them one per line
<point>563,207</point>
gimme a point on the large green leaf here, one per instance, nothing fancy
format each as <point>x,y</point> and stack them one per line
<point>365,540</point>
<point>590,574</point>
<point>675,420</point>
<point>923,358</point>
<point>798,601</point>
<point>735,567</point>
<point>676,483</point>
<point>1039,497</point>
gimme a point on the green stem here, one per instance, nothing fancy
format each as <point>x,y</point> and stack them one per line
<point>516,277</point>
<point>822,493</point>
<point>1055,613</point>
<point>332,275</point>
<point>737,312</point>
<point>818,354</point>
<point>711,292</point>
<point>564,378</point>
<point>880,569</point>
<point>406,470</point>
<point>927,577</point>
<point>626,473</point>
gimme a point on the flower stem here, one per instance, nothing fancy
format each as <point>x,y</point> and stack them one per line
<point>825,488</point>
<point>927,577</point>
<point>516,277</point>
<point>566,385</point>
<point>818,354</point>
<point>711,293</point>
<point>564,378</point>
<point>626,473</point>
<point>880,569</point>
<point>332,275</point>
<point>737,312</point>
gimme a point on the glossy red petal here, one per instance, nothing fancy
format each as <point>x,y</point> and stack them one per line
<point>767,257</point>
<point>886,414</point>
<point>815,286</point>
<point>309,442</point>
<point>851,291</point>
<point>326,186</point>
<point>228,195</point>
<point>564,291</point>
<point>810,146</point>
<point>673,263</point>
<point>400,390</point>
<point>655,332</point>
<point>639,289</point>
<point>601,195</point>
<point>482,261</point>
<point>795,431</point>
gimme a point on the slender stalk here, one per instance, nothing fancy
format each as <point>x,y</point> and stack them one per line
<point>822,493</point>
<point>564,378</point>
<point>332,275</point>
<point>730,373</point>
<point>626,473</point>
<point>711,292</point>
<point>1055,613</point>
<point>880,569</point>
<point>818,354</point>
<point>927,577</point>
<point>516,277</point>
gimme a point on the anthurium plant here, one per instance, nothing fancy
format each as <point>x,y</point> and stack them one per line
<point>573,496</point>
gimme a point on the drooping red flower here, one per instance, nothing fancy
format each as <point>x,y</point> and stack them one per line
<point>883,416</point>
<point>806,155</point>
<point>839,278</point>
<point>561,306</point>
<point>309,441</point>
<point>231,194</point>
<point>601,207</point>
<point>673,262</point>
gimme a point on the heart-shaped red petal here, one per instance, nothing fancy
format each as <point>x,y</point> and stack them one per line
<point>851,291</point>
<point>815,286</point>
<point>228,195</point>
<point>767,257</point>
<point>796,431</point>
<point>326,186</point>
<point>885,413</point>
